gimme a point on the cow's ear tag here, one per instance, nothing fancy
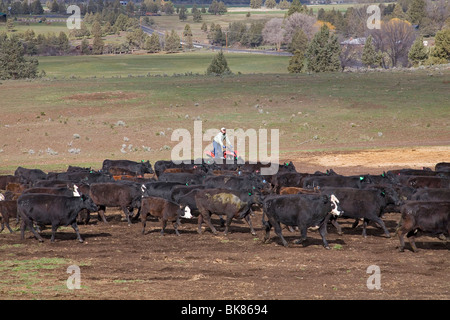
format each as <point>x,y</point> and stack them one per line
<point>383,193</point>
<point>187,184</point>
<point>382,174</point>
<point>253,188</point>
<point>361,178</point>
<point>249,193</point>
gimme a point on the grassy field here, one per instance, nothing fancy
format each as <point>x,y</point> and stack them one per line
<point>134,117</point>
<point>157,64</point>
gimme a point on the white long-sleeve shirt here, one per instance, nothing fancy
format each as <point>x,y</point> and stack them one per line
<point>220,138</point>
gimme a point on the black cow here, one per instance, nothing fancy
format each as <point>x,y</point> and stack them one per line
<point>231,203</point>
<point>127,166</point>
<point>442,167</point>
<point>427,216</point>
<point>54,210</point>
<point>336,181</point>
<point>182,177</point>
<point>164,210</point>
<point>367,204</point>
<point>299,210</point>
<point>251,183</point>
<point>126,195</point>
<point>428,182</point>
<point>160,189</point>
<point>29,176</point>
<point>432,194</point>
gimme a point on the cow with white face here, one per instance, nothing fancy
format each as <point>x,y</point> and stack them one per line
<point>301,210</point>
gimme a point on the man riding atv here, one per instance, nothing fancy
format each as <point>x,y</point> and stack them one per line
<point>220,143</point>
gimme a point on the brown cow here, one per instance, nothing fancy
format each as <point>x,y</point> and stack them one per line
<point>164,210</point>
<point>427,216</point>
<point>8,209</point>
<point>295,190</point>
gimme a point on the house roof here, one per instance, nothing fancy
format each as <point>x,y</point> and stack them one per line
<point>356,41</point>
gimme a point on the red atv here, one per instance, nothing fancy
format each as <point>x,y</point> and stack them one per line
<point>227,154</point>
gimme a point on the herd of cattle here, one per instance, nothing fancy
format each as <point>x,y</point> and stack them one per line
<point>173,191</point>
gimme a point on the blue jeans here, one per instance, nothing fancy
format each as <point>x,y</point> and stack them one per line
<point>218,152</point>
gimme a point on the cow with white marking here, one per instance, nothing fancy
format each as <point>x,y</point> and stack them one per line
<point>54,210</point>
<point>300,210</point>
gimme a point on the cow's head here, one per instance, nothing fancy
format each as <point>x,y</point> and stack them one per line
<point>185,212</point>
<point>147,166</point>
<point>391,196</point>
<point>88,203</point>
<point>334,203</point>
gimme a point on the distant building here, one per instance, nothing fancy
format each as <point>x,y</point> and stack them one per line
<point>354,42</point>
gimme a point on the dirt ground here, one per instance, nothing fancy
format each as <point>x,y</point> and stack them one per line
<point>117,262</point>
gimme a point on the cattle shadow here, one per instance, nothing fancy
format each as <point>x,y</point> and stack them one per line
<point>311,240</point>
<point>69,236</point>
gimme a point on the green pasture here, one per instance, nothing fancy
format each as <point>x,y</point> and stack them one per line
<point>331,111</point>
<point>157,64</point>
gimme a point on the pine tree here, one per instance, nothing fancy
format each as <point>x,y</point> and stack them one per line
<point>270,4</point>
<point>417,11</point>
<point>172,42</point>
<point>296,6</point>
<point>152,44</point>
<point>219,65</point>
<point>418,53</point>
<point>441,51</point>
<point>183,13</point>
<point>85,46</point>
<point>323,52</point>
<point>13,64</point>
<point>370,57</point>
<point>296,62</point>
<point>97,44</point>
<point>299,42</point>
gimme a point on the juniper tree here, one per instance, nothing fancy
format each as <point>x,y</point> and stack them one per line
<point>370,57</point>
<point>219,65</point>
<point>417,53</point>
<point>323,52</point>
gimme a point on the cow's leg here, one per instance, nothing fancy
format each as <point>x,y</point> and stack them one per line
<point>9,228</point>
<point>277,228</point>
<point>323,233</point>
<point>29,224</point>
<point>163,226</point>
<point>101,213</point>
<point>303,233</point>
<point>175,226</point>
<point>268,226</point>
<point>400,233</point>
<point>75,227</point>
<point>382,225</point>
<point>54,228</point>
<point>227,224</point>
<point>412,238</point>
<point>200,221</point>
<point>144,222</point>
<point>3,227</point>
<point>127,214</point>
<point>207,218</point>
<point>337,226</point>
<point>249,222</point>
